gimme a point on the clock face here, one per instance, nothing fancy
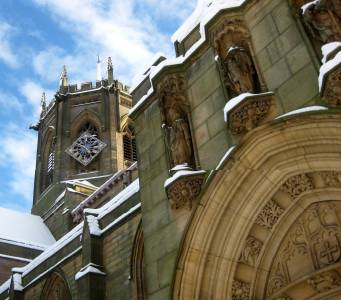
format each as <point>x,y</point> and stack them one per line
<point>85,148</point>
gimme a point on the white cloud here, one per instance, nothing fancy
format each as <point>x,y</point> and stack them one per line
<point>9,102</point>
<point>32,92</point>
<point>125,30</point>
<point>6,53</point>
<point>18,150</point>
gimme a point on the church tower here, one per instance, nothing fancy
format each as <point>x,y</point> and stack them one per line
<point>84,137</point>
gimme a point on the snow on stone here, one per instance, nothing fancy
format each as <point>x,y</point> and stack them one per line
<point>307,5</point>
<point>17,282</point>
<point>225,157</point>
<point>60,197</point>
<point>80,182</point>
<point>115,202</point>
<point>93,225</point>
<point>90,268</point>
<point>303,110</point>
<point>66,239</point>
<point>5,286</point>
<point>181,173</point>
<point>327,67</point>
<point>232,103</point>
<point>141,101</point>
<point>203,13</point>
<point>25,229</point>
<point>15,258</point>
<point>329,48</point>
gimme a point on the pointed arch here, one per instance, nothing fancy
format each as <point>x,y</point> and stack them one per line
<point>129,141</point>
<point>55,288</point>
<point>137,264</point>
<point>85,117</point>
<point>274,177</point>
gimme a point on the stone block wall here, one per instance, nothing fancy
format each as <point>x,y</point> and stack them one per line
<point>285,56</point>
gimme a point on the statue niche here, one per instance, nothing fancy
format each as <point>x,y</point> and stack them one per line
<point>323,20</point>
<point>240,71</point>
<point>232,46</point>
<point>174,116</point>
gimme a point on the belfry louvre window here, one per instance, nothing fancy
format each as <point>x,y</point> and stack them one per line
<point>129,144</point>
<point>89,128</point>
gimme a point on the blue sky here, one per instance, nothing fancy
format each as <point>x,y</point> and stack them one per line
<point>37,37</point>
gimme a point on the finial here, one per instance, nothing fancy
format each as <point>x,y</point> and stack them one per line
<point>110,70</point>
<point>99,69</point>
<point>63,78</point>
<point>43,104</point>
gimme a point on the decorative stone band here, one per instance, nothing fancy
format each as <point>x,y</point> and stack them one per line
<point>183,187</point>
<point>248,111</point>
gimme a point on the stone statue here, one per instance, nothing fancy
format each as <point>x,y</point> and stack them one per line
<point>177,131</point>
<point>323,20</point>
<point>240,71</point>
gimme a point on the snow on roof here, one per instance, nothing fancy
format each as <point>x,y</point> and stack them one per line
<point>24,228</point>
<point>81,182</point>
<point>204,12</point>
<point>120,198</point>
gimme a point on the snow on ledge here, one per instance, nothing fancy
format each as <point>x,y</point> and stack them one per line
<point>181,173</point>
<point>5,286</point>
<point>232,103</point>
<point>88,269</point>
<point>329,48</point>
<point>308,5</point>
<point>225,157</point>
<point>303,110</point>
<point>327,67</point>
<point>203,13</point>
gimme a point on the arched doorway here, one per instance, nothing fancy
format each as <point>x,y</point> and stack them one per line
<point>268,226</point>
<point>55,288</point>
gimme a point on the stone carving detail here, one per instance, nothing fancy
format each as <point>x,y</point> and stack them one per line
<point>231,43</point>
<point>184,190</point>
<point>297,185</point>
<point>240,290</point>
<point>251,251</point>
<point>249,114</point>
<point>174,114</point>
<point>331,91</point>
<point>331,178</point>
<point>269,215</point>
<point>325,282</point>
<point>312,243</point>
<point>323,20</point>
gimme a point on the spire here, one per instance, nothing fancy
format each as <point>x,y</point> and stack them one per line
<point>99,69</point>
<point>110,71</point>
<point>63,78</point>
<point>43,104</point>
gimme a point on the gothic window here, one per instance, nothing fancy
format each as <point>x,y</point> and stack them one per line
<point>129,144</point>
<point>55,288</point>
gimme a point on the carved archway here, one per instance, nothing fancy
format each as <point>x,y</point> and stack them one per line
<point>55,288</point>
<point>137,265</point>
<point>244,217</point>
<point>83,118</point>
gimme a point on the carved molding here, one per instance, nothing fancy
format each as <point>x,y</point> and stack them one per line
<point>296,185</point>
<point>331,178</point>
<point>269,215</point>
<point>250,113</point>
<point>331,90</point>
<point>325,282</point>
<point>251,251</point>
<point>182,191</point>
<point>240,290</point>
